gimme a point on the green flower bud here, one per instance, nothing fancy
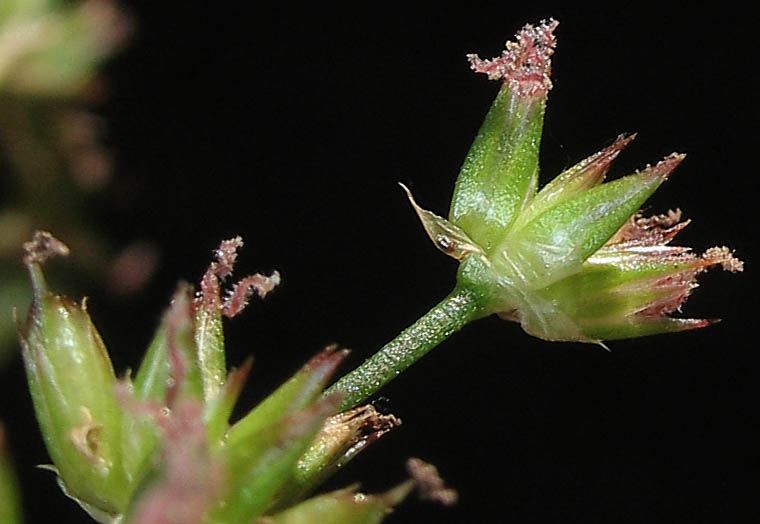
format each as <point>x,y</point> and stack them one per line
<point>72,384</point>
<point>572,261</point>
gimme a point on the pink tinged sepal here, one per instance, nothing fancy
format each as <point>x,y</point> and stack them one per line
<point>584,175</point>
<point>555,243</point>
<point>212,304</point>
<point>204,313</point>
<point>189,479</point>
<point>298,392</point>
<point>629,287</point>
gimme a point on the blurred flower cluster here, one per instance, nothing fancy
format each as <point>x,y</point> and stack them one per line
<point>53,165</point>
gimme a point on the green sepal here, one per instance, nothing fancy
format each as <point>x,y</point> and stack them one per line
<point>344,506</point>
<point>292,396</point>
<point>643,327</point>
<point>218,410</point>
<point>156,382</point>
<point>584,175</point>
<point>555,243</point>
<point>156,373</point>
<point>259,468</point>
<point>500,173</point>
<point>209,340</point>
<point>615,289</point>
<point>152,378</point>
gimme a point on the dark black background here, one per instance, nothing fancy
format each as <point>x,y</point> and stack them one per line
<point>291,127</point>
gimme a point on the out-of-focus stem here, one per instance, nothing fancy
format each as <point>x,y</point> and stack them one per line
<point>10,511</point>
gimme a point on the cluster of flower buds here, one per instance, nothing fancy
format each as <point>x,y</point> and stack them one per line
<point>575,260</point>
<point>159,448</point>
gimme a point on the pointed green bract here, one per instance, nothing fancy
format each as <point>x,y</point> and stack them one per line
<point>175,333</point>
<point>152,379</point>
<point>584,175</point>
<point>500,173</point>
<point>620,289</point>
<point>219,409</point>
<point>257,469</point>
<point>556,242</point>
<point>294,395</point>
<point>209,340</point>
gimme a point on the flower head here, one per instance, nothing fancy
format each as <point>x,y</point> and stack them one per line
<point>575,260</point>
<point>159,447</point>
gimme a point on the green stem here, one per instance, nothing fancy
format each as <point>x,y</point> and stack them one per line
<point>448,316</point>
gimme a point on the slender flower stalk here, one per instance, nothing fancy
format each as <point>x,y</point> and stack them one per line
<point>463,305</point>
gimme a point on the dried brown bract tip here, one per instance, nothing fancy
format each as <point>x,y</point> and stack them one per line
<point>42,246</point>
<point>357,428</point>
<point>526,63</point>
<point>664,168</point>
<point>429,482</point>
